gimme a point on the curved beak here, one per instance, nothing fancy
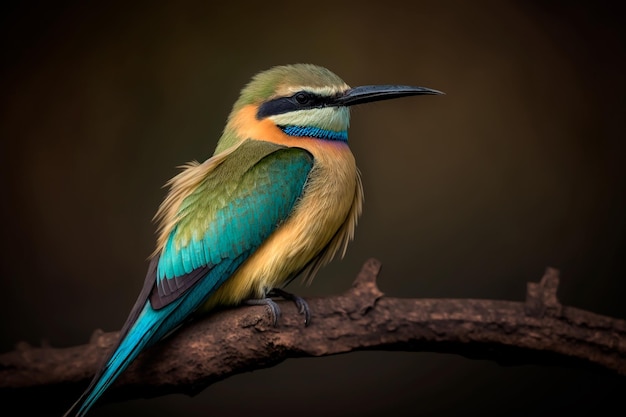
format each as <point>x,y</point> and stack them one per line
<point>369,93</point>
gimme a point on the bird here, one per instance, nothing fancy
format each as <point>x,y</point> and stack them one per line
<point>279,198</point>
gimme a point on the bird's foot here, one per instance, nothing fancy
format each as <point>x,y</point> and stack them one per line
<point>301,304</point>
<point>271,306</point>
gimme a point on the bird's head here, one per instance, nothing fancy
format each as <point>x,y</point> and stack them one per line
<point>301,100</point>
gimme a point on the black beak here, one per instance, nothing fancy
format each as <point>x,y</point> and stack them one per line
<point>369,93</point>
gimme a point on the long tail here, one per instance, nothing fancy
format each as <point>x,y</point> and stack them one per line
<point>150,326</point>
<point>145,326</point>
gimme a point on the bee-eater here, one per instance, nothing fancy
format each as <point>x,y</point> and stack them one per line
<point>280,197</point>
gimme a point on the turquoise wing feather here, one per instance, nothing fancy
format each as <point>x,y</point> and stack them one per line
<point>219,225</point>
<point>230,214</point>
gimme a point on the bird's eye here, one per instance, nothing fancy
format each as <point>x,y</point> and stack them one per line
<point>302,98</point>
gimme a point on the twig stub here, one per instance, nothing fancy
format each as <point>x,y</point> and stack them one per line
<point>541,299</point>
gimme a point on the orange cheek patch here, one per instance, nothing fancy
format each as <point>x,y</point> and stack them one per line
<point>248,126</point>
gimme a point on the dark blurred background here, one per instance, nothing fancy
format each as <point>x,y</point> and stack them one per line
<point>519,167</point>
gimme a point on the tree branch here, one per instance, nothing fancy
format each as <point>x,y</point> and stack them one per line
<point>539,330</point>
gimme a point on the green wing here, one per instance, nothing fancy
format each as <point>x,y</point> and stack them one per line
<point>228,216</point>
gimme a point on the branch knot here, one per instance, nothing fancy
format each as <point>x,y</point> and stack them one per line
<point>364,288</point>
<point>541,299</point>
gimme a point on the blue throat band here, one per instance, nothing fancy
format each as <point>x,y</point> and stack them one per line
<point>315,132</point>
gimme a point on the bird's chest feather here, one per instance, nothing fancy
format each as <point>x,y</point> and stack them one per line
<point>326,202</point>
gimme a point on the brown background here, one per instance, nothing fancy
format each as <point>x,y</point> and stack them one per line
<point>520,166</point>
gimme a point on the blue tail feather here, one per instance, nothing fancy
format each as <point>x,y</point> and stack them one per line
<point>149,327</point>
<point>141,335</point>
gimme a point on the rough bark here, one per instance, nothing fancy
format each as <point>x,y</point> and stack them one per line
<point>539,330</point>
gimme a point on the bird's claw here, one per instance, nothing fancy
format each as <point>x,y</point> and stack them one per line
<point>271,306</point>
<point>301,304</point>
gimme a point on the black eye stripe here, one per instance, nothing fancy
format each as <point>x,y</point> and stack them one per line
<point>301,100</point>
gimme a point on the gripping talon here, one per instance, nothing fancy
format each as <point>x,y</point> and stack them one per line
<point>301,304</point>
<point>271,306</point>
